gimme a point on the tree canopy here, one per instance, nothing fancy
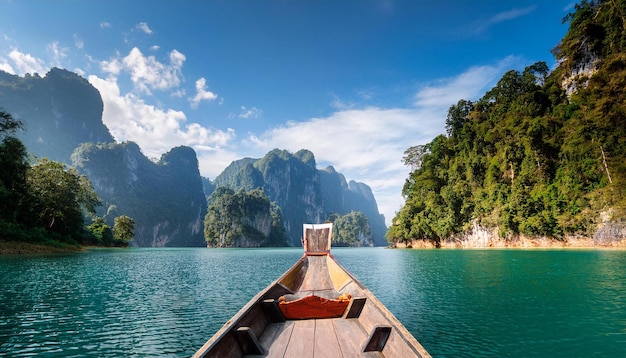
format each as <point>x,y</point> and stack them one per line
<point>61,196</point>
<point>243,219</point>
<point>352,229</point>
<point>532,156</point>
<point>124,228</point>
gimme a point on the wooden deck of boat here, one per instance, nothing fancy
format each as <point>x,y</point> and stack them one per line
<point>334,337</point>
<point>365,329</point>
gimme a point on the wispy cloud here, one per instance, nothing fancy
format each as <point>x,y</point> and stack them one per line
<point>247,113</point>
<point>78,41</point>
<point>483,26</point>
<point>445,92</point>
<point>58,53</point>
<point>202,94</point>
<point>142,26</point>
<point>105,25</point>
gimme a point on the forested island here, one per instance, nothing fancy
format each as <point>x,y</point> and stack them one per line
<point>541,157</point>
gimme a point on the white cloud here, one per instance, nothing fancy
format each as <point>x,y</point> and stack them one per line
<point>213,160</point>
<point>511,14</point>
<point>6,67</point>
<point>25,63</point>
<point>368,144</point>
<point>202,94</point>
<point>464,86</point>
<point>247,113</point>
<point>146,72</point>
<point>155,130</point>
<point>113,67</point>
<point>144,27</point>
<point>180,93</point>
<point>105,25</point>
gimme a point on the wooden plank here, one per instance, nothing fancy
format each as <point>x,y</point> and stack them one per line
<point>350,336</point>
<point>276,338</point>
<point>227,346</point>
<point>338,275</point>
<point>255,319</point>
<point>292,279</point>
<point>317,277</point>
<point>326,343</point>
<point>317,237</point>
<point>301,344</point>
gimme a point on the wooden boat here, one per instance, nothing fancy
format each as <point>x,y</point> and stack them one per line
<point>315,309</point>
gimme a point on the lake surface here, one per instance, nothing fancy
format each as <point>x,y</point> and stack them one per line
<point>457,303</point>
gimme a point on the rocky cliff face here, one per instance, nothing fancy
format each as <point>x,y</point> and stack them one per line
<point>609,234</point>
<point>165,199</point>
<point>60,111</point>
<point>341,198</point>
<point>304,193</point>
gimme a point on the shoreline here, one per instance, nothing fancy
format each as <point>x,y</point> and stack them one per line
<point>519,243</point>
<point>25,248</point>
<point>22,248</point>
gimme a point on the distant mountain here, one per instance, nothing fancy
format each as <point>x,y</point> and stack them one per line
<point>304,193</point>
<point>61,111</point>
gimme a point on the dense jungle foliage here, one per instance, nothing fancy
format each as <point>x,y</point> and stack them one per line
<point>352,229</point>
<point>235,217</point>
<point>540,154</point>
<point>45,201</point>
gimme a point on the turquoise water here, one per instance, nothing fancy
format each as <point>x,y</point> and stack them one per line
<point>457,303</point>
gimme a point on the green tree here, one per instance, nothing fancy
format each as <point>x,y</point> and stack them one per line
<point>101,232</point>
<point>218,226</point>
<point>14,164</point>
<point>8,124</point>
<point>352,229</point>
<point>61,195</point>
<point>124,229</point>
<point>233,216</point>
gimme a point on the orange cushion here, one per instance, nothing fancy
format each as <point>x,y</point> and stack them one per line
<point>310,307</point>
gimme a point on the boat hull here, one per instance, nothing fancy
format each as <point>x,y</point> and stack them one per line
<point>355,323</point>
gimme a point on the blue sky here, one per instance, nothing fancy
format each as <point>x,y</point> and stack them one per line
<point>355,82</point>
